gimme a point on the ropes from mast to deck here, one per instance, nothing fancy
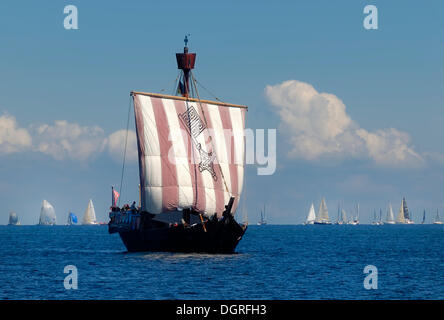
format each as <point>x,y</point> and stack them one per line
<point>210,137</point>
<point>124,152</point>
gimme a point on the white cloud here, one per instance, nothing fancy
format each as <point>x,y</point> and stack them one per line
<point>116,145</point>
<point>68,140</point>
<point>12,138</point>
<point>64,140</point>
<point>317,126</point>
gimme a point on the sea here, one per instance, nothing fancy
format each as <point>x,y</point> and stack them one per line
<point>285,262</point>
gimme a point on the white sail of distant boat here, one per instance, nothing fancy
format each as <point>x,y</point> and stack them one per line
<point>437,219</point>
<point>263,220</point>
<point>13,219</point>
<point>322,217</point>
<point>311,215</point>
<point>343,216</point>
<point>47,214</point>
<point>400,218</point>
<point>89,217</point>
<point>390,215</point>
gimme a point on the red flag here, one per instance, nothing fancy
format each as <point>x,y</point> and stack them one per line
<point>115,196</point>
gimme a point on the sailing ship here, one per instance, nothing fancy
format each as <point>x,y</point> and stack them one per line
<point>375,221</point>
<point>342,216</point>
<point>322,216</point>
<point>263,221</point>
<point>390,216</point>
<point>380,222</point>
<point>423,217</point>
<point>89,218</point>
<point>72,219</point>
<point>403,214</point>
<point>355,220</point>
<point>437,219</point>
<point>191,171</point>
<point>13,219</point>
<point>311,215</point>
<point>47,214</point>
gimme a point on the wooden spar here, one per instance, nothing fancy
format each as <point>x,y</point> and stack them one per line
<point>203,222</point>
<point>157,95</point>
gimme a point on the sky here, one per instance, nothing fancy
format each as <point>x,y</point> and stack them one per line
<point>358,112</point>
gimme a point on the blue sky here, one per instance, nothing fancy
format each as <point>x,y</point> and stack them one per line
<point>386,78</point>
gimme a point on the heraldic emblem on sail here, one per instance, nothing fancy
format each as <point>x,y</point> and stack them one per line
<point>191,168</point>
<point>194,125</point>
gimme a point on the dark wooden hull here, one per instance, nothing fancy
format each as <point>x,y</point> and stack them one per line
<point>214,236</point>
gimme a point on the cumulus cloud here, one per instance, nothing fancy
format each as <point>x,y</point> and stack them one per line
<point>68,140</point>
<point>64,140</point>
<point>317,126</point>
<point>116,145</point>
<point>13,138</point>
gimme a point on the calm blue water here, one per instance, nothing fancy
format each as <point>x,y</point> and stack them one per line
<point>273,262</point>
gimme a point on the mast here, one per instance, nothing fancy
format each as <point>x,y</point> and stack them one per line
<point>185,62</point>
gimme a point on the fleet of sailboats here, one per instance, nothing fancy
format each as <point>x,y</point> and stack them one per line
<point>48,216</point>
<point>404,216</point>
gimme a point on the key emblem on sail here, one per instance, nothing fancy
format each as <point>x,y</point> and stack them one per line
<point>195,126</point>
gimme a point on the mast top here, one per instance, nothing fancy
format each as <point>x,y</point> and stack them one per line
<point>185,62</point>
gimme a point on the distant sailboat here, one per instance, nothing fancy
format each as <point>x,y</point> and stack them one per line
<point>322,217</point>
<point>263,221</point>
<point>355,220</point>
<point>72,219</point>
<point>403,214</point>
<point>47,214</point>
<point>343,216</point>
<point>89,218</point>
<point>423,218</point>
<point>13,219</point>
<point>338,220</point>
<point>390,215</point>
<point>400,219</point>
<point>375,221</point>
<point>311,215</point>
<point>437,219</point>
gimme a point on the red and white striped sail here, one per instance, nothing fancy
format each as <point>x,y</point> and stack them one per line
<point>191,153</point>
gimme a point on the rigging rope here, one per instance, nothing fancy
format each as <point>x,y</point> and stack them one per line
<point>211,139</point>
<point>124,153</point>
<point>200,84</point>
